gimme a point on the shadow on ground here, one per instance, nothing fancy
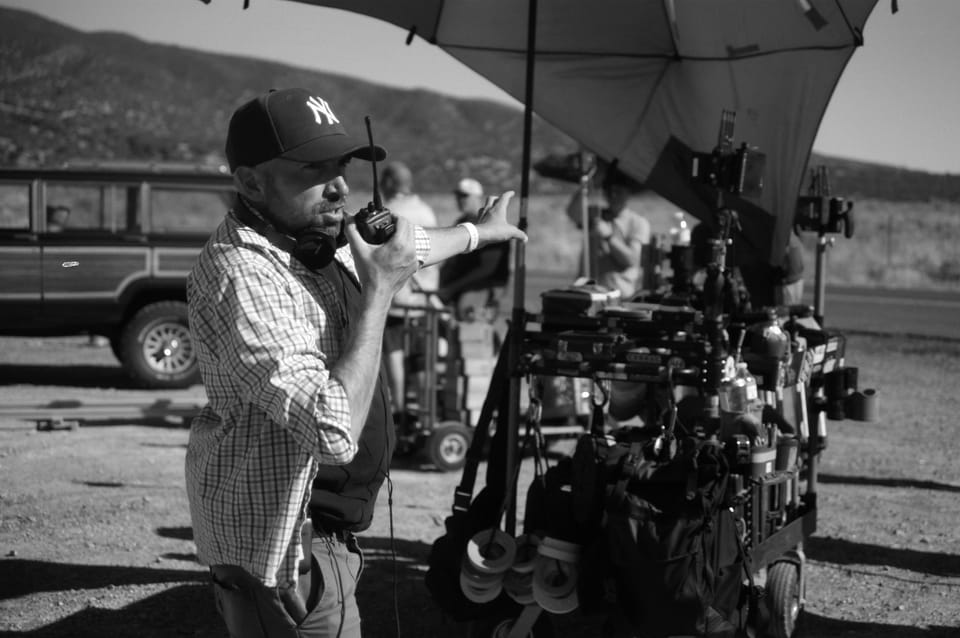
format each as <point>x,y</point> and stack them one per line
<point>819,627</point>
<point>887,482</point>
<point>74,376</point>
<point>23,577</point>
<point>393,600</point>
<point>182,610</point>
<point>843,552</point>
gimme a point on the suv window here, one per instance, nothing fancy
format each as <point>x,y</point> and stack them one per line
<point>91,206</point>
<point>15,206</point>
<point>180,210</point>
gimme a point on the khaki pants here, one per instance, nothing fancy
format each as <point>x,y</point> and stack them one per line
<point>323,604</point>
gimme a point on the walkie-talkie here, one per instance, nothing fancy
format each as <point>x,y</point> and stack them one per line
<point>374,222</point>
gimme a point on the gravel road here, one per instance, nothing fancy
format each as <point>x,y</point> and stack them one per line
<point>95,536</point>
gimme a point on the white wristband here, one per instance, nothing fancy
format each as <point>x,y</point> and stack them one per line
<point>474,236</point>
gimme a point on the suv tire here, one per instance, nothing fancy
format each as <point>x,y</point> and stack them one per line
<point>157,349</point>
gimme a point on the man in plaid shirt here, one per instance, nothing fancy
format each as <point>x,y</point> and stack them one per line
<point>288,304</point>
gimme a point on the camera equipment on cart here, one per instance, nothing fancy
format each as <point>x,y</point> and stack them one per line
<point>693,521</point>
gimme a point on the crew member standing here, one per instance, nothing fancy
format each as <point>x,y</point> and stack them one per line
<point>476,283</point>
<point>617,235</point>
<point>288,305</point>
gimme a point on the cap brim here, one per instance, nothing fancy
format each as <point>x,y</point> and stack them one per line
<point>321,149</point>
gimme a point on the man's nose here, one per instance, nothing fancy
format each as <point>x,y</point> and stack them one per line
<point>336,190</point>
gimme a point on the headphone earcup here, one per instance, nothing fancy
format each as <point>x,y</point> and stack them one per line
<point>315,249</point>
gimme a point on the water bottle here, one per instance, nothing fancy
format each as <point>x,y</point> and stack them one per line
<point>767,339</point>
<point>680,234</point>
<point>738,393</point>
<point>769,345</point>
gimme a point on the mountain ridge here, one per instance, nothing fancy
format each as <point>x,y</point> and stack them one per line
<point>67,94</point>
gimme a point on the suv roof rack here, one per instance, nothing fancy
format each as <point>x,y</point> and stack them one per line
<point>144,165</point>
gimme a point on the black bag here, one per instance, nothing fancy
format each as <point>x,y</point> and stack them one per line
<point>446,554</point>
<point>668,548</point>
<point>470,515</point>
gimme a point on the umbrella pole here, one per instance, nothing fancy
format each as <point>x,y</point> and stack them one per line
<point>586,259</point>
<point>519,292</point>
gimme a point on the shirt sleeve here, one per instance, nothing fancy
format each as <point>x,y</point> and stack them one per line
<point>640,229</point>
<point>277,358</point>
<point>421,243</point>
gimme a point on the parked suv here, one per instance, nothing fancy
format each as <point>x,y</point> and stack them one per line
<point>105,249</point>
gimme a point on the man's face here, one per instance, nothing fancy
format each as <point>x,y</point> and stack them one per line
<point>59,217</point>
<point>301,194</point>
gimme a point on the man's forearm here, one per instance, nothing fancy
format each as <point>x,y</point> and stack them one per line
<point>491,227</point>
<point>358,368</point>
<point>622,252</point>
<point>445,243</point>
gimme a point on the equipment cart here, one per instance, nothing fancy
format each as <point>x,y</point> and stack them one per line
<point>448,370</point>
<point>602,527</point>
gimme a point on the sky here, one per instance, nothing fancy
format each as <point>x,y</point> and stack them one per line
<point>898,101</point>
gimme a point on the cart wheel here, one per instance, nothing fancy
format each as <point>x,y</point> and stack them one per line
<point>447,445</point>
<point>783,599</point>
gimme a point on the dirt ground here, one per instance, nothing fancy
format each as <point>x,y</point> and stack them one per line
<point>95,536</point>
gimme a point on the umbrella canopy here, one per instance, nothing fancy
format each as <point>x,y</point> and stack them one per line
<point>644,82</point>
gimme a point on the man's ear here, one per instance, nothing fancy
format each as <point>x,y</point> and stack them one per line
<point>248,183</point>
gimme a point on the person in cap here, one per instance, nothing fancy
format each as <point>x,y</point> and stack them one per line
<point>288,302</point>
<point>476,283</point>
<point>616,235</point>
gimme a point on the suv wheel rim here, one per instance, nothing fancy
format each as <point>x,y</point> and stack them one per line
<point>168,349</point>
<point>453,448</point>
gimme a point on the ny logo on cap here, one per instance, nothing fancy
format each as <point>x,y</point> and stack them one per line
<point>320,108</point>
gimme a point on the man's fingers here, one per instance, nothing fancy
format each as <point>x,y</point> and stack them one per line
<point>353,234</point>
<point>496,204</point>
<point>503,201</point>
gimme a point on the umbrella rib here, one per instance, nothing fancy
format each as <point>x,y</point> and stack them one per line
<point>650,56</point>
<point>854,31</point>
<point>436,24</point>
<point>643,111</point>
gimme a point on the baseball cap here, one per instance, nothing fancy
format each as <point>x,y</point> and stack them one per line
<point>468,186</point>
<point>291,123</point>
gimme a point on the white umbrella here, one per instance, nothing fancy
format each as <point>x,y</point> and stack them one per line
<point>644,82</point>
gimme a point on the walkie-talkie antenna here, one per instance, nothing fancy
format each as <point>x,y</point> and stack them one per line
<point>377,204</point>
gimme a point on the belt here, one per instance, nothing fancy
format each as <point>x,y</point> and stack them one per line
<point>320,530</point>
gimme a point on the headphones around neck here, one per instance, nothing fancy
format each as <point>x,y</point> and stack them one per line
<point>313,246</point>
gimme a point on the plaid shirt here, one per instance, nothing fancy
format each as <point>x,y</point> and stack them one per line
<point>268,330</point>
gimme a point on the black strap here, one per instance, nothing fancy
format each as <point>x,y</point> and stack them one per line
<point>463,493</point>
<point>248,218</point>
<point>598,420</point>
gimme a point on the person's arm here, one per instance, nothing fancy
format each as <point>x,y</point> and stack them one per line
<point>492,227</point>
<point>382,271</point>
<point>625,250</point>
<point>279,356</point>
<point>257,330</point>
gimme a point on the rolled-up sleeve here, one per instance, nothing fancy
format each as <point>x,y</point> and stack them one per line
<point>275,352</point>
<point>421,243</point>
